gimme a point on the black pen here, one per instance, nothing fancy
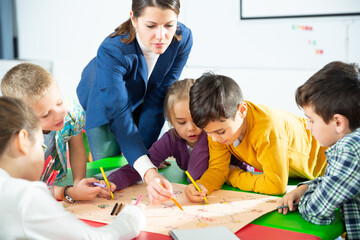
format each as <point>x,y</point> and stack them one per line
<point>114,209</point>
<point>286,206</point>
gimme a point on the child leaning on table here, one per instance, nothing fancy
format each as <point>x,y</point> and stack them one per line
<point>271,140</point>
<point>61,123</point>
<point>28,209</point>
<point>185,142</point>
<point>331,101</point>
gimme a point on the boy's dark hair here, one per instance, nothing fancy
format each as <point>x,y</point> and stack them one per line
<point>334,89</point>
<point>214,98</point>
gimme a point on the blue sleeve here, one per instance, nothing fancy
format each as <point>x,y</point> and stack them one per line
<point>111,69</point>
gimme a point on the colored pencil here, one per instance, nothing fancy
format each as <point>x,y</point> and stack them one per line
<point>119,209</point>
<point>50,177</point>
<point>192,180</point>
<point>98,184</point>
<point>174,200</point>
<point>114,209</point>
<point>53,177</point>
<point>138,199</point>
<point>177,204</point>
<point>47,170</point>
<point>107,182</point>
<point>51,164</point>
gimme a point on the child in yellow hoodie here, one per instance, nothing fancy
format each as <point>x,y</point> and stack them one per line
<point>274,141</point>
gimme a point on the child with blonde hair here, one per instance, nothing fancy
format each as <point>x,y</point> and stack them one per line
<point>185,142</point>
<point>26,204</point>
<point>61,122</point>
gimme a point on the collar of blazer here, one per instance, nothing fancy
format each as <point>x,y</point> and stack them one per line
<point>161,68</point>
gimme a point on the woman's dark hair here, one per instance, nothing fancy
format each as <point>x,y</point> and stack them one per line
<point>15,115</point>
<point>138,7</point>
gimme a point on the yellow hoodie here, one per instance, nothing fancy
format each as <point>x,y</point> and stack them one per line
<point>277,143</point>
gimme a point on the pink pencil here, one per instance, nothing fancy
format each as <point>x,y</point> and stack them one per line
<point>139,199</point>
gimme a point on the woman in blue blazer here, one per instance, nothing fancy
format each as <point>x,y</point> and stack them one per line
<point>123,88</point>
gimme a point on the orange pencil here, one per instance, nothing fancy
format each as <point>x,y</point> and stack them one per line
<point>174,200</point>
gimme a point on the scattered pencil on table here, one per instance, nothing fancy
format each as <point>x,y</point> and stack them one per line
<point>114,209</point>
<point>106,181</point>
<point>138,199</point>
<point>174,200</point>
<point>119,209</point>
<point>286,206</point>
<point>99,184</point>
<point>192,180</point>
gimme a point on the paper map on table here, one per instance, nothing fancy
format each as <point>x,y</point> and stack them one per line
<point>225,208</point>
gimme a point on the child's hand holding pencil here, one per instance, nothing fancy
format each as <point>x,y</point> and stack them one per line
<point>105,191</point>
<point>195,192</point>
<point>194,195</point>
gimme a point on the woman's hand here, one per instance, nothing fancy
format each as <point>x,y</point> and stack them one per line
<point>193,195</point>
<point>159,188</point>
<point>291,198</point>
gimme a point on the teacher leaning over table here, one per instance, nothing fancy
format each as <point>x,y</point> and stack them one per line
<point>123,88</point>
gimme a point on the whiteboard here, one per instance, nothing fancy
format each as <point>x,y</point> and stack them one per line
<point>226,41</point>
<point>261,9</point>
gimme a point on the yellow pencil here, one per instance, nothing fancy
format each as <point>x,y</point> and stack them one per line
<point>107,182</point>
<point>192,180</point>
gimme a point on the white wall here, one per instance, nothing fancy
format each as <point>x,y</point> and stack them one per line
<point>268,58</point>
<point>67,32</point>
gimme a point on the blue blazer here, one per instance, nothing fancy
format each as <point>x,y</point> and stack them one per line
<point>115,82</point>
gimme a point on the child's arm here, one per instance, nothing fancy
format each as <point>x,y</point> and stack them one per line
<point>340,186</point>
<point>217,173</point>
<point>292,197</point>
<point>272,156</point>
<point>159,151</point>
<point>43,217</point>
<point>78,159</point>
<point>84,190</point>
<point>163,148</point>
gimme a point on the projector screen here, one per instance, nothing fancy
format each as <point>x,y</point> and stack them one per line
<point>263,9</point>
